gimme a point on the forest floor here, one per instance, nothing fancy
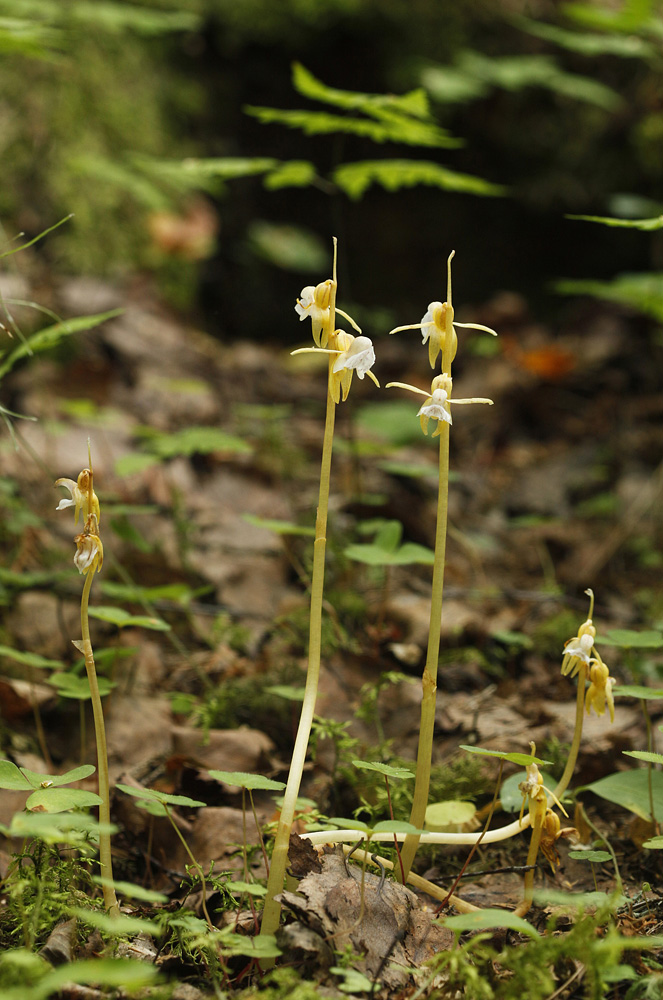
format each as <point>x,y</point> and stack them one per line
<point>555,488</point>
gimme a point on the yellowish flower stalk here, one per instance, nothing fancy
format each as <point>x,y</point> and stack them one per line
<point>89,559</point>
<point>437,328</point>
<point>346,355</point>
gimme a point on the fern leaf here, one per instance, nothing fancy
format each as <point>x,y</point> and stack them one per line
<point>356,178</point>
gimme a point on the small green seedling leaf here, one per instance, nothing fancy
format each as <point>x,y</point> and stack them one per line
<point>386,550</point>
<point>121,925</point>
<point>577,900</point>
<point>353,980</point>
<point>76,774</point>
<point>287,691</point>
<point>251,888</point>
<point>451,815</point>
<point>349,824</point>
<point>626,638</point>
<point>249,781</point>
<point>483,920</point>
<point>12,778</point>
<point>264,946</point>
<point>127,974</point>
<point>122,618</point>
<point>630,789</point>
<point>522,759</point>
<point>593,856</point>
<point>132,891</point>
<point>67,828</point>
<point>637,691</point>
<point>78,688</point>
<point>386,769</point>
<point>57,800</point>
<point>651,758</point>
<point>152,794</point>
<point>30,659</point>
<point>279,527</point>
<point>654,844</point>
<point>395,826</point>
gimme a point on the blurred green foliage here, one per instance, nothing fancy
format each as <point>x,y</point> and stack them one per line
<point>122,113</point>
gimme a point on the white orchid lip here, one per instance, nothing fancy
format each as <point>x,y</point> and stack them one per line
<point>360,356</point>
<point>437,407</point>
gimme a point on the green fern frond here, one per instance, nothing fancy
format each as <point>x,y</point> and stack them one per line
<point>355,178</point>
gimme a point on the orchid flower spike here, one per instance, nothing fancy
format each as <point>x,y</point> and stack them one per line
<point>535,793</point>
<point>352,354</point>
<point>599,692</point>
<point>318,302</point>
<point>579,649</point>
<point>89,548</point>
<point>83,497</point>
<point>438,402</point>
<point>438,328</point>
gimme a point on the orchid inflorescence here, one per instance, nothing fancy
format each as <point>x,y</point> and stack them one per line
<point>350,353</point>
<point>89,558</point>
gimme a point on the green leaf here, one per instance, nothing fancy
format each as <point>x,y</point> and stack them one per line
<point>289,247</point>
<point>57,800</point>
<point>517,72</point>
<point>12,778</point>
<point>523,759</point>
<point>651,758</point>
<point>279,527</point>
<point>643,292</point>
<point>132,891</point>
<point>126,974</point>
<point>208,174</point>
<point>30,659</point>
<point>576,900</point>
<point>164,797</point>
<point>356,178</point>
<point>249,781</point>
<point>414,103</point>
<point>194,440</point>
<point>134,463</point>
<point>264,946</point>
<point>630,789</point>
<point>354,981</point>
<point>54,828</point>
<point>287,691</point>
<point>122,618</point>
<point>409,469</point>
<point>646,225</point>
<point>398,128</point>
<point>78,688</point>
<point>449,815</point>
<point>593,856</point>
<point>589,44</point>
<point>395,826</point>
<point>626,638</point>
<point>483,920</point>
<point>291,173</point>
<point>250,888</point>
<point>121,926</point>
<point>52,335</point>
<point>55,780</point>
<point>386,769</point>
<point>637,691</point>
<point>654,844</point>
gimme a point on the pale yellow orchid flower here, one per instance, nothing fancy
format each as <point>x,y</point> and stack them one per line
<point>437,402</point>
<point>438,328</point>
